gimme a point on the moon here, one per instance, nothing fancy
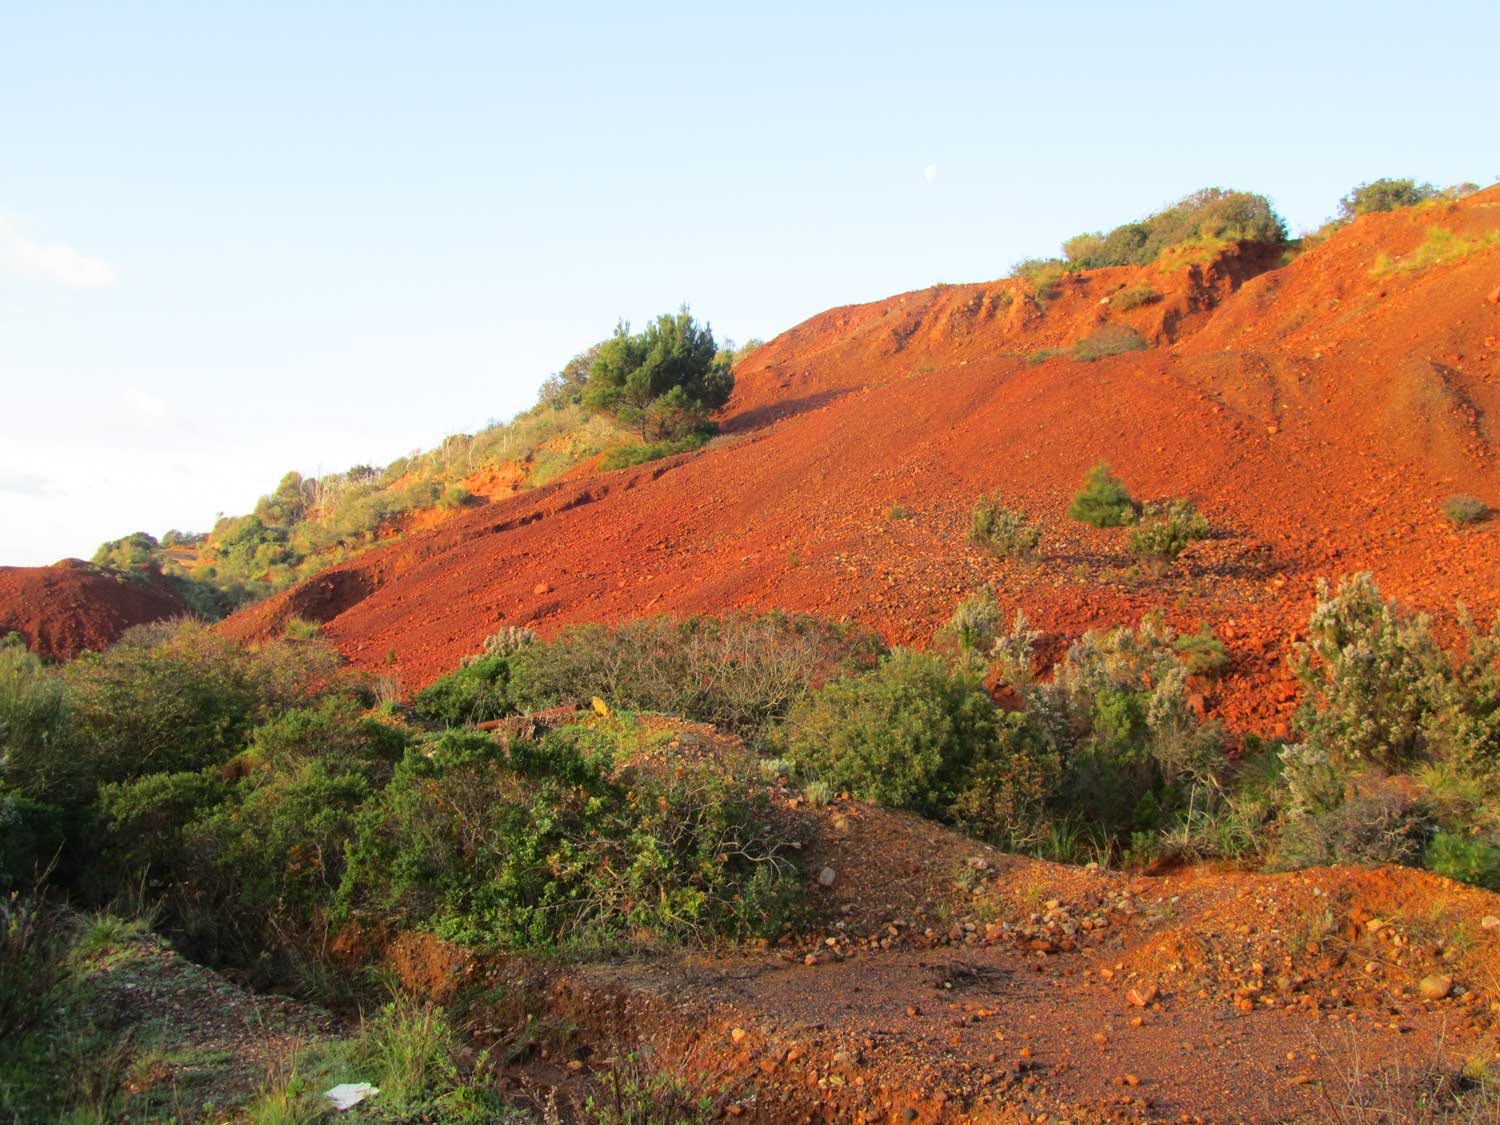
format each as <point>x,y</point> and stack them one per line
<point>930,173</point>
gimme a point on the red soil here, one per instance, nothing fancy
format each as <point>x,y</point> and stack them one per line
<point>1319,413</point>
<point>71,606</point>
<point>946,982</point>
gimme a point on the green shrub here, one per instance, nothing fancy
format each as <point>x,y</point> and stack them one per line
<point>1464,857</point>
<point>1157,542</point>
<point>1184,514</point>
<point>1103,500</point>
<point>1462,510</point>
<point>740,672</point>
<point>972,631</point>
<point>1132,754</point>
<point>32,835</point>
<point>1438,246</point>
<point>474,693</point>
<point>1108,340</point>
<point>1463,727</point>
<point>1044,274</point>
<point>244,868</point>
<point>1372,678</point>
<point>585,836</point>
<point>33,723</point>
<point>663,382</point>
<point>1000,530</point>
<point>1138,297</point>
<point>145,825</point>
<point>624,456</point>
<point>510,639</point>
<point>1210,214</point>
<point>175,696</point>
<point>1376,823</point>
<point>455,497</point>
<point>1203,654</point>
<point>905,734</point>
<point>1384,195</point>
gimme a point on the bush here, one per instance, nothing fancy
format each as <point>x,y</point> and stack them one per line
<point>1384,195</point>
<point>1209,214</point>
<point>475,693</point>
<point>1464,857</point>
<point>1108,340</point>
<point>905,734</point>
<point>740,672</point>
<point>663,382</point>
<point>175,696</point>
<point>1157,542</point>
<point>1002,531</point>
<point>455,497</point>
<point>33,722</point>
<point>1184,514</point>
<point>1375,824</point>
<point>512,638</point>
<point>1372,678</point>
<point>1463,510</point>
<point>245,868</point>
<point>972,631</point>
<point>1132,755</point>
<point>1044,274</point>
<point>32,835</point>
<point>624,456</point>
<point>1139,297</point>
<point>585,836</point>
<point>1202,653</point>
<point>1438,246</point>
<point>1103,501</point>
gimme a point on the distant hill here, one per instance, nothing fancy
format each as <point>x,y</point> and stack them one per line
<point>73,606</point>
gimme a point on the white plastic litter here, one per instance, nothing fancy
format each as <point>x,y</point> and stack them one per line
<point>347,1095</point>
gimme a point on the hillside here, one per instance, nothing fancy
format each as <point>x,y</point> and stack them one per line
<point>69,607</point>
<point>1319,412</point>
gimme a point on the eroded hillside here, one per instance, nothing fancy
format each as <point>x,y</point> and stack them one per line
<point>1319,412</point>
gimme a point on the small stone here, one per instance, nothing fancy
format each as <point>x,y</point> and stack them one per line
<point>738,1034</point>
<point>826,877</point>
<point>541,588</point>
<point>1132,1080</point>
<point>1142,996</point>
<point>1491,922</point>
<point>1436,987</point>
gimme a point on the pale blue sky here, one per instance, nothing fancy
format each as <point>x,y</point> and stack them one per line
<point>241,238</point>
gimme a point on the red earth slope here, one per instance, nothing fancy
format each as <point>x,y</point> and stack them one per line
<point>69,607</point>
<point>1319,412</point>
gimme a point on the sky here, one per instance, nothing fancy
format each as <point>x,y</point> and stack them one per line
<point>238,239</point>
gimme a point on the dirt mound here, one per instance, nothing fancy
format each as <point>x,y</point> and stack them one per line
<point>73,606</point>
<point>1318,411</point>
<point>948,982</point>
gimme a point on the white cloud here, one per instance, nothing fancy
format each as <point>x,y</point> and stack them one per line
<point>930,173</point>
<point>54,261</point>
